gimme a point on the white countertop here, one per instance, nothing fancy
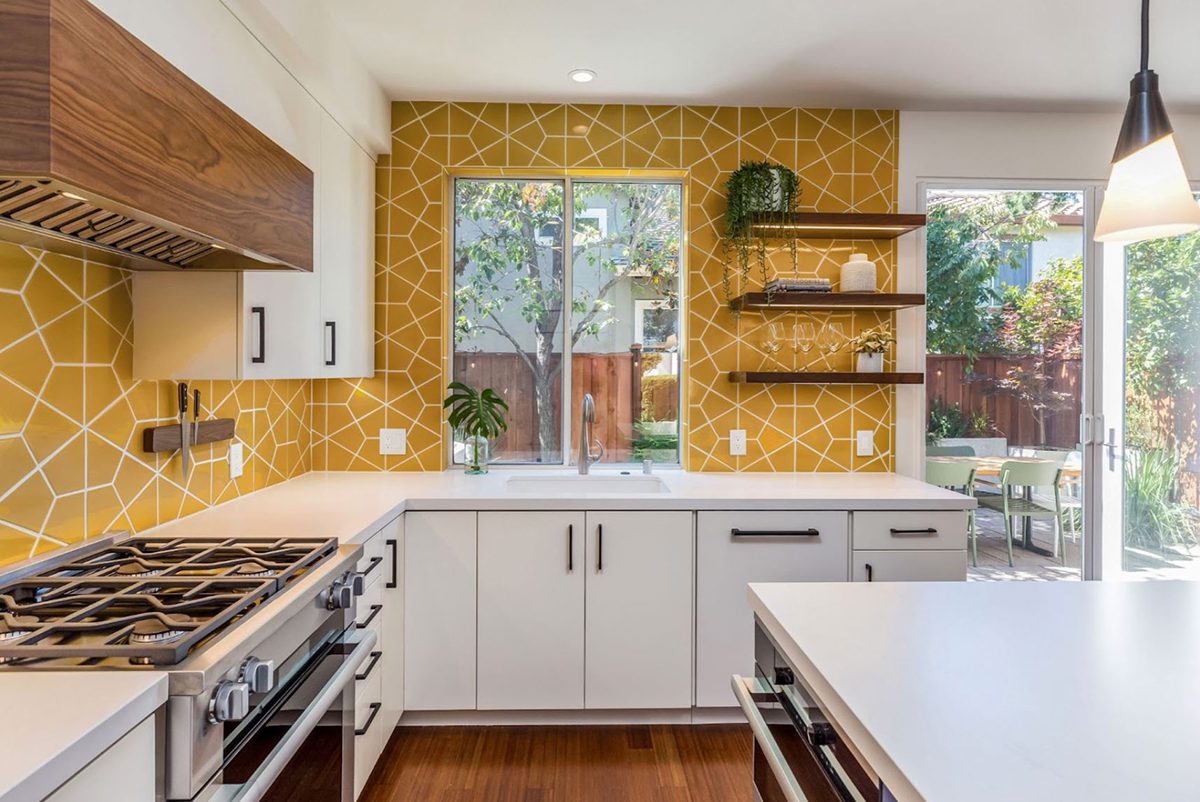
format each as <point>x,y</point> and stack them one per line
<point>994,692</point>
<point>58,722</point>
<point>347,505</point>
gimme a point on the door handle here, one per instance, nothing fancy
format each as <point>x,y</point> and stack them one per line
<point>260,312</point>
<point>391,544</point>
<point>331,328</point>
<point>570,548</point>
<point>870,573</point>
<point>1111,445</point>
<point>599,548</point>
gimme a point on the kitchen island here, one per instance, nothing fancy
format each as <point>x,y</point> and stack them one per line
<point>955,692</point>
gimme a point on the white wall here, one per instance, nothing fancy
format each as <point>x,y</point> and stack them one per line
<point>1058,150</point>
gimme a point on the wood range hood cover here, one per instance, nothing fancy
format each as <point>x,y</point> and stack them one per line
<point>108,152</point>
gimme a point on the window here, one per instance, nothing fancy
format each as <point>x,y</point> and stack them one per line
<point>512,325</point>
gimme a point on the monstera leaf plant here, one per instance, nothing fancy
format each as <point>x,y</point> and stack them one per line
<point>479,415</point>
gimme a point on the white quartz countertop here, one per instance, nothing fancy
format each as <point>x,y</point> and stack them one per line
<point>994,692</point>
<point>347,505</point>
<point>58,722</point>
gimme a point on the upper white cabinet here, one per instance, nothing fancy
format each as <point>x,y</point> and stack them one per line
<point>262,325</point>
<point>639,610</point>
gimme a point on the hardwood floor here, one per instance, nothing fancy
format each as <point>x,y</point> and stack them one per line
<point>565,764</point>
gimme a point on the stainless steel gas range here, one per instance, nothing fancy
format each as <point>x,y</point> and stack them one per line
<point>257,637</point>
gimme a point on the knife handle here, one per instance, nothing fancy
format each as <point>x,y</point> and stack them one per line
<point>183,398</point>
<point>195,405</point>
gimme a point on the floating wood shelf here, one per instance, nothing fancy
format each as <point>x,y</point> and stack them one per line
<point>823,225</point>
<point>811,377</point>
<point>828,300</point>
<point>167,438</point>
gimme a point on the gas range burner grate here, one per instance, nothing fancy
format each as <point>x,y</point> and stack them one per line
<point>151,600</point>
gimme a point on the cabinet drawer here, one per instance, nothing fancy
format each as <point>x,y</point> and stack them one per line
<point>369,614</point>
<point>371,562</point>
<point>916,565</point>
<point>910,529</point>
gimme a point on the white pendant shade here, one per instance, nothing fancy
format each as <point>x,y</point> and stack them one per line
<point>1148,196</point>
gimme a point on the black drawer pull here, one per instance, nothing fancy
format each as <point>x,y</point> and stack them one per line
<point>370,666</point>
<point>394,581</point>
<point>775,532</point>
<point>375,608</point>
<point>260,312</point>
<point>870,573</point>
<point>370,719</point>
<point>929,531</point>
<point>375,561</point>
<point>570,548</point>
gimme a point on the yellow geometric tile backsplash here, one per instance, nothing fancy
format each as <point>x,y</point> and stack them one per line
<point>71,415</point>
<point>846,160</point>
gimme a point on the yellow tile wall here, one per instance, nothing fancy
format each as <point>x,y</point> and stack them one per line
<point>71,415</point>
<point>846,160</point>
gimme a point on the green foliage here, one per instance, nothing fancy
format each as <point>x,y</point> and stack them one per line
<point>755,188</point>
<point>945,421</point>
<point>1154,517</point>
<point>657,446</point>
<point>967,247</point>
<point>1046,319</point>
<point>474,413</point>
<point>873,341</point>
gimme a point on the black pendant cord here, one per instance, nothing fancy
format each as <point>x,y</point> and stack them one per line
<point>1145,35</point>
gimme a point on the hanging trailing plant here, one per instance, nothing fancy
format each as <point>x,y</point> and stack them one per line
<point>756,193</point>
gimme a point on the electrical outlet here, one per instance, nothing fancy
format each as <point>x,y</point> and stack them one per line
<point>393,441</point>
<point>737,442</point>
<point>236,460</point>
<point>866,443</point>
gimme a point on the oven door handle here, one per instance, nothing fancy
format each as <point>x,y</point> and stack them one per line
<point>742,689</point>
<point>258,785</point>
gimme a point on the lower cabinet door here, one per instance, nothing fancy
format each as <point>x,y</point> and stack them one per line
<point>531,584</point>
<point>639,610</point>
<point>909,566</point>
<point>392,634</point>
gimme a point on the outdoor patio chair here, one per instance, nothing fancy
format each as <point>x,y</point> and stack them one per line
<point>1014,477</point>
<point>961,478</point>
<point>949,451</point>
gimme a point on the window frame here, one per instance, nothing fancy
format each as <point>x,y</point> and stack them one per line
<point>568,178</point>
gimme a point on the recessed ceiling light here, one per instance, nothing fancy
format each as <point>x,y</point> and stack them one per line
<point>582,76</point>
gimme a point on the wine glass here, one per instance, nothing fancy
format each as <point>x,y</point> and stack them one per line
<point>836,338</point>
<point>773,339</point>
<point>804,336</point>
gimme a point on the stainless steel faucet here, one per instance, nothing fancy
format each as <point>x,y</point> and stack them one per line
<point>587,416</point>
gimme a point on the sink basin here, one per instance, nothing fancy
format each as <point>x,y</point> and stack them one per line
<point>574,484</point>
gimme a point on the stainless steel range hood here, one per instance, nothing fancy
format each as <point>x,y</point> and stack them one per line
<point>108,152</point>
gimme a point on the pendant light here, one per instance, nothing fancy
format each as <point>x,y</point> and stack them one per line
<point>1148,195</point>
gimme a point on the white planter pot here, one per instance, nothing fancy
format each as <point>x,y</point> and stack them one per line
<point>870,363</point>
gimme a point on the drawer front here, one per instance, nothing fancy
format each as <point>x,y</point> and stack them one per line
<point>726,563</point>
<point>371,561</point>
<point>369,614</point>
<point>910,529</point>
<point>917,565</point>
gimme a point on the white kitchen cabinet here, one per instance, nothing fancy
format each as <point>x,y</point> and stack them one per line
<point>531,610</point>
<point>125,772</point>
<point>734,549</point>
<point>638,632</point>
<point>943,530</point>
<point>393,626</point>
<point>439,610</point>
<point>912,565</point>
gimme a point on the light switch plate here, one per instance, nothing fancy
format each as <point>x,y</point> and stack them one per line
<point>737,442</point>
<point>866,443</point>
<point>236,460</point>
<point>393,441</point>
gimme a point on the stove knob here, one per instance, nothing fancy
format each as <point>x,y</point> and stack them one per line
<point>230,702</point>
<point>341,596</point>
<point>358,582</point>
<point>259,675</point>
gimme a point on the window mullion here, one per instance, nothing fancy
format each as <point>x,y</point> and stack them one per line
<point>568,246</point>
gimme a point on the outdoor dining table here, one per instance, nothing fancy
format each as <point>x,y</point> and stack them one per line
<point>989,468</point>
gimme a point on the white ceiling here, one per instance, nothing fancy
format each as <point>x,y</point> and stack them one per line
<point>1060,55</point>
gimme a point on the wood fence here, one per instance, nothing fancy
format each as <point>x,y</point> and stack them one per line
<point>948,380</point>
<point>614,380</point>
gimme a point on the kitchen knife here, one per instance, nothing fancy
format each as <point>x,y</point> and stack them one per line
<point>185,435</point>
<point>195,417</point>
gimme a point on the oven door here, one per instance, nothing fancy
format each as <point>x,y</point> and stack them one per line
<point>297,744</point>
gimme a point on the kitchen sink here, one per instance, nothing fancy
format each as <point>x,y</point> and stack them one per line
<point>575,484</point>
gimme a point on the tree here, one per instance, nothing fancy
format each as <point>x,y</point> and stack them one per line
<point>969,239</point>
<point>509,270</point>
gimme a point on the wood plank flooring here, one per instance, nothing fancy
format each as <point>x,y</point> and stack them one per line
<point>657,763</point>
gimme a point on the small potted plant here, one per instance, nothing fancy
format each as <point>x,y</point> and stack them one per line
<point>480,418</point>
<point>870,347</point>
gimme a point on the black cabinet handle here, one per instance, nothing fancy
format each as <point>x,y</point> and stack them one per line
<point>261,313</point>
<point>570,548</point>
<point>870,573</point>
<point>370,719</point>
<point>375,608</point>
<point>599,548</point>
<point>375,561</point>
<point>391,544</point>
<point>370,667</point>
<point>775,533</point>
<point>331,327</point>
<point>929,531</point>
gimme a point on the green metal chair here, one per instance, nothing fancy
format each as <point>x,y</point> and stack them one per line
<point>949,451</point>
<point>1015,476</point>
<point>959,477</point>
